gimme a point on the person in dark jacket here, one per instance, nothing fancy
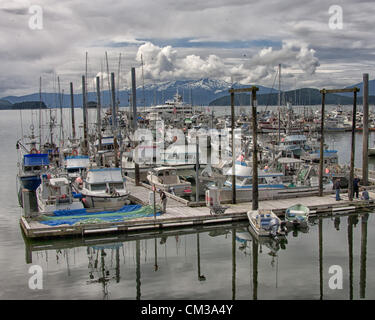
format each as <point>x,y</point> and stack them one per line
<point>163,200</point>
<point>336,186</point>
<point>356,187</point>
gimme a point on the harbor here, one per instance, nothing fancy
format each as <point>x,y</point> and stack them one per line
<point>187,157</point>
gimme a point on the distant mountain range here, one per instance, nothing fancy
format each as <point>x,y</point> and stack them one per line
<point>6,105</point>
<point>200,92</point>
<point>305,96</point>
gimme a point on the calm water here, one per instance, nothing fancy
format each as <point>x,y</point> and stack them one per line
<point>221,262</point>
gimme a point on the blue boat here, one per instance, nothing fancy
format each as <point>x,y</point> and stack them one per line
<point>32,166</point>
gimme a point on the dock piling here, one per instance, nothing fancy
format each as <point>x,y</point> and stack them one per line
<point>365,136</point>
<point>255,195</point>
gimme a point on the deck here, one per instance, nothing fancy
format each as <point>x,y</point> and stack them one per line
<point>180,214</point>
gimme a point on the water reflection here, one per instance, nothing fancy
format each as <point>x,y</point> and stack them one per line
<point>255,256</point>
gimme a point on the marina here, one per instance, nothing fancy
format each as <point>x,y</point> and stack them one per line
<point>187,151</point>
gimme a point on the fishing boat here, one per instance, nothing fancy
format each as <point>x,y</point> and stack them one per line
<point>32,166</point>
<point>55,194</point>
<point>103,188</point>
<point>76,166</point>
<point>271,183</point>
<point>264,223</point>
<point>297,215</point>
<point>166,178</point>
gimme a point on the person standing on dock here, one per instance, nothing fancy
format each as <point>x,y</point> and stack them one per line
<point>356,187</point>
<point>163,201</point>
<point>337,188</point>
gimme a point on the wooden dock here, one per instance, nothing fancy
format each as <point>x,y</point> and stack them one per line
<point>180,214</point>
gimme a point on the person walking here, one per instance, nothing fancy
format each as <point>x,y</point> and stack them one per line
<point>163,201</point>
<point>337,188</point>
<point>356,187</point>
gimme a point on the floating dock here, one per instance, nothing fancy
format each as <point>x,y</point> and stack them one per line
<point>180,213</point>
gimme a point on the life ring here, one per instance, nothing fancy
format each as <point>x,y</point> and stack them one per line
<point>34,150</point>
<point>75,152</point>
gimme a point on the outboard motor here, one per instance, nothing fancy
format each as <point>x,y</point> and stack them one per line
<point>274,225</point>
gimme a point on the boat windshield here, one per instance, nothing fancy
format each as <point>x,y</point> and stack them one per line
<point>98,187</point>
<point>116,185</point>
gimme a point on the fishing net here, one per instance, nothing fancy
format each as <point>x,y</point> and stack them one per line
<point>83,217</point>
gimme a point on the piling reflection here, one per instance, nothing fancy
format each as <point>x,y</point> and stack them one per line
<point>109,268</point>
<point>362,275</point>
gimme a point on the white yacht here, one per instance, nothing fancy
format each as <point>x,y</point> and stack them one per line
<point>175,108</point>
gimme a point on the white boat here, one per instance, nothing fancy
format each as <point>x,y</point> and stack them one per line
<point>54,194</point>
<point>166,178</point>
<point>182,156</point>
<point>104,188</point>
<point>264,223</point>
<point>171,109</point>
<point>76,166</point>
<point>297,215</point>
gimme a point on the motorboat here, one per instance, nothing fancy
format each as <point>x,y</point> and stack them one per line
<point>103,188</point>
<point>297,215</point>
<point>76,166</point>
<point>264,223</point>
<point>55,194</point>
<point>166,178</point>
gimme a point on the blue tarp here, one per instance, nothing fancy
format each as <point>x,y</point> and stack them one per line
<point>37,159</point>
<point>126,208</point>
<point>74,216</point>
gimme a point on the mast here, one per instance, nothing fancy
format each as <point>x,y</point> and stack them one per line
<point>72,110</point>
<point>109,85</point>
<point>98,114</point>
<point>279,97</point>
<point>61,113</point>
<point>118,83</point>
<point>40,113</point>
<point>84,109</point>
<point>143,86</point>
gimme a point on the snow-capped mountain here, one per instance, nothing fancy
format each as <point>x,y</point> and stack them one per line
<point>198,92</point>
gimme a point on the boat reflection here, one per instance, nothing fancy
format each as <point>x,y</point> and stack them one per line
<point>107,267</point>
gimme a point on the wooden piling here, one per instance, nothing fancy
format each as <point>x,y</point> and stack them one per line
<point>365,136</point>
<point>134,105</point>
<point>352,153</point>
<point>255,192</point>
<point>321,160</point>
<point>233,149</point>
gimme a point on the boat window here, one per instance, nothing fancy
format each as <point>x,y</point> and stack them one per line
<point>116,185</point>
<point>247,181</point>
<point>73,170</point>
<point>26,169</point>
<point>160,174</point>
<point>36,168</point>
<point>172,173</point>
<point>98,187</point>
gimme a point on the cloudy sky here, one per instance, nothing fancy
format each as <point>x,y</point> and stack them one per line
<point>239,40</point>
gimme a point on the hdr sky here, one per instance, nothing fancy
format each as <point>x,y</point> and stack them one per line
<point>243,40</point>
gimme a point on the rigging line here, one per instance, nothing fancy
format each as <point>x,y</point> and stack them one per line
<point>269,96</point>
